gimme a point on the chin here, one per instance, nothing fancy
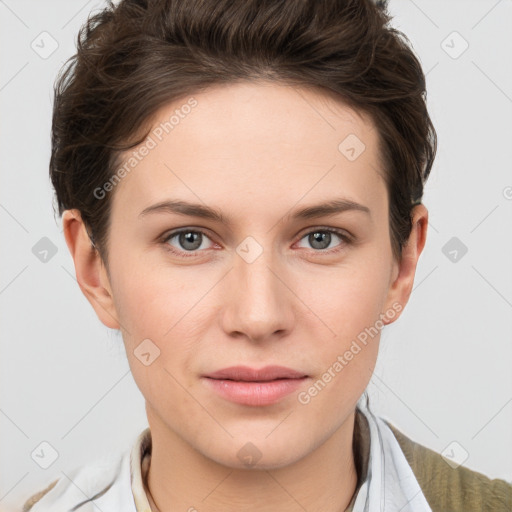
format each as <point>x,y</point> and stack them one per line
<point>254,452</point>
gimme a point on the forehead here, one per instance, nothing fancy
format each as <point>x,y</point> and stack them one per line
<point>265,112</point>
<point>247,141</point>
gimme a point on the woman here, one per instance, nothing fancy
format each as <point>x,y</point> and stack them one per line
<point>240,185</point>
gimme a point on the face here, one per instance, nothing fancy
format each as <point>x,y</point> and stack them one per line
<point>264,279</point>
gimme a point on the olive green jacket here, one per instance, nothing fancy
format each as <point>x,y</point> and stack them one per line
<point>453,490</point>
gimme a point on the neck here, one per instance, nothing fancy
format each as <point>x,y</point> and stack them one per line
<point>182,479</point>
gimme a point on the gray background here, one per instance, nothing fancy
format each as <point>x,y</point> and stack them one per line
<point>444,371</point>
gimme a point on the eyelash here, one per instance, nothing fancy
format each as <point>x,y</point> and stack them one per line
<point>347,239</point>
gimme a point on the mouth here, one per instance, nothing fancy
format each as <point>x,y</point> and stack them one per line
<point>255,387</point>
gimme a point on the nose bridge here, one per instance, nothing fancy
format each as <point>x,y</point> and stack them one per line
<point>253,268</point>
<point>259,305</point>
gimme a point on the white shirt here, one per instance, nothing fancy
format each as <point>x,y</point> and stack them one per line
<point>114,483</point>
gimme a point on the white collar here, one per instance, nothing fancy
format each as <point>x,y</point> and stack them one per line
<point>101,486</point>
<point>390,485</point>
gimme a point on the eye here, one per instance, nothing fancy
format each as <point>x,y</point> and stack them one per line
<point>321,238</point>
<point>187,241</point>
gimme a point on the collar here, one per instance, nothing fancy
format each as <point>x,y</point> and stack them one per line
<point>140,458</point>
<point>390,484</point>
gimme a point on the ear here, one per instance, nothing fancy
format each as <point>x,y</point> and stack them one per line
<point>403,273</point>
<point>90,270</point>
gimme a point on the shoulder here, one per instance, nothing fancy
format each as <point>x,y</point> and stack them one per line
<point>105,483</point>
<point>454,489</point>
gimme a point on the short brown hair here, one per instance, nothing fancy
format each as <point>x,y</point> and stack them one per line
<point>135,57</point>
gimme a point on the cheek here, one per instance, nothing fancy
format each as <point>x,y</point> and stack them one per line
<point>170,309</point>
<point>148,300</point>
<point>347,353</point>
<point>155,327</point>
<point>350,304</point>
<point>351,298</point>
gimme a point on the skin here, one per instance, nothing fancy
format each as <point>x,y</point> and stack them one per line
<point>256,152</point>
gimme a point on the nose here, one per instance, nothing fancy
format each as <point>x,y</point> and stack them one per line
<point>258,303</point>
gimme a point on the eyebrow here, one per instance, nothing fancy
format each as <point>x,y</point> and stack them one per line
<point>331,207</point>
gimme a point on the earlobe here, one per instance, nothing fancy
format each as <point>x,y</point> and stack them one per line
<point>90,270</point>
<point>404,272</point>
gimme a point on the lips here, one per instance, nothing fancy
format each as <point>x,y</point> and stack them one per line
<point>254,387</point>
<point>246,374</point>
